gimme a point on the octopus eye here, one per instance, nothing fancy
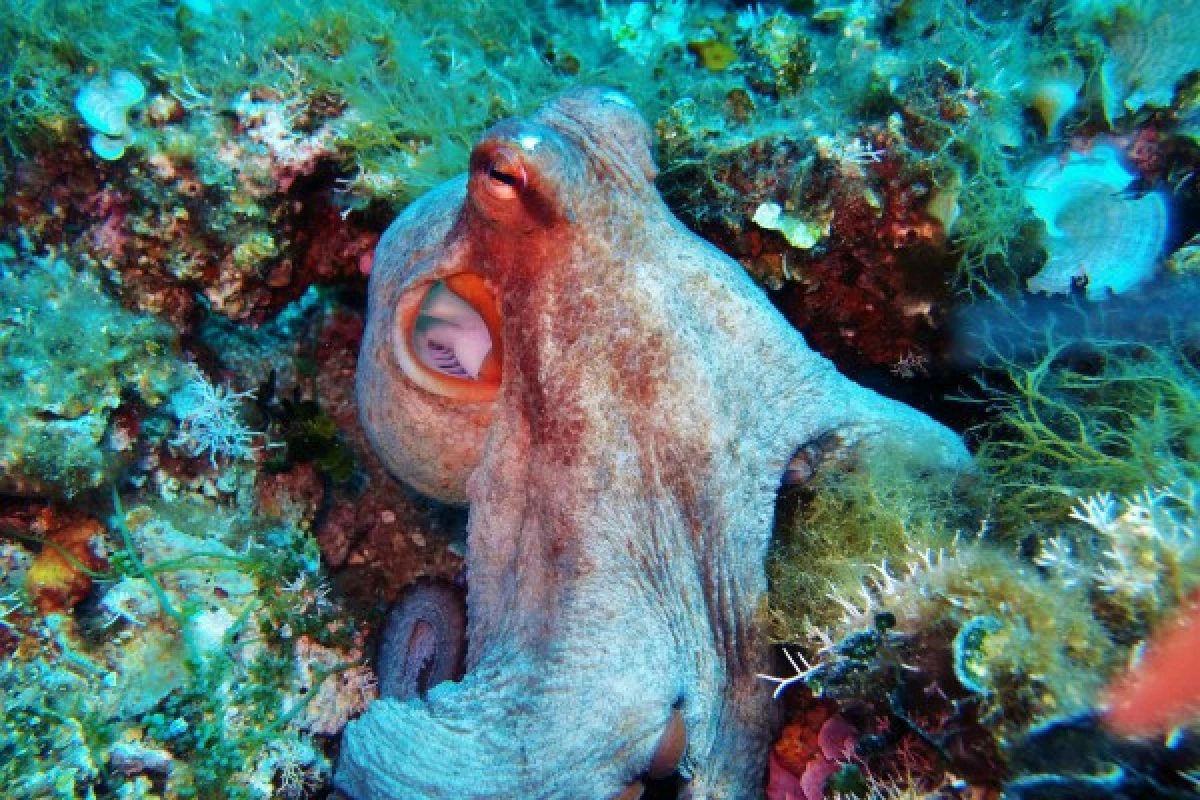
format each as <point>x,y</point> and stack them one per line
<point>505,176</point>
<point>448,338</point>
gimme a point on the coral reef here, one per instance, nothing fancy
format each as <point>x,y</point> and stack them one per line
<point>192,647</point>
<point>211,657</point>
<point>205,226</point>
<point>839,228</point>
<point>72,552</point>
<point>210,420</point>
<point>828,529</point>
<point>1137,559</point>
<point>192,194</point>
<point>948,667</point>
<point>950,659</point>
<point>77,372</point>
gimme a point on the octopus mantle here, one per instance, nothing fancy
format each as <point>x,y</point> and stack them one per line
<point>617,402</point>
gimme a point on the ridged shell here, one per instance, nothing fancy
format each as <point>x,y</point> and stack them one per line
<point>1149,54</point>
<point>1094,229</point>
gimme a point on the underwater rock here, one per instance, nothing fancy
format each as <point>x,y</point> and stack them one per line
<point>621,471</point>
<point>70,404</point>
<point>59,576</point>
<point>953,657</point>
<point>1095,233</point>
<point>1074,757</point>
<point>339,693</point>
<point>847,231</point>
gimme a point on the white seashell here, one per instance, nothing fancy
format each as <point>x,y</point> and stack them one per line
<point>104,103</point>
<point>126,88</point>
<point>1094,230</point>
<point>111,148</point>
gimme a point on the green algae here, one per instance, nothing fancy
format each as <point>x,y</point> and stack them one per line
<point>70,359</point>
<point>217,676</point>
<point>830,535</point>
<point>1076,416</point>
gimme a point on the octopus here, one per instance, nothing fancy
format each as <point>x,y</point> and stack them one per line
<point>618,403</point>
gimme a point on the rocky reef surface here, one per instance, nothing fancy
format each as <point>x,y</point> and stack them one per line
<point>984,210</point>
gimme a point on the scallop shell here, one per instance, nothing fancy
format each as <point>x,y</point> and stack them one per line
<point>1148,56</point>
<point>1095,230</point>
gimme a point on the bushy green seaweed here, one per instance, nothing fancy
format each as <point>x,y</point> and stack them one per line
<point>51,731</point>
<point>992,234</point>
<point>411,86</point>
<point>973,620</point>
<point>1073,416</point>
<point>74,686</point>
<point>832,534</point>
<point>310,435</point>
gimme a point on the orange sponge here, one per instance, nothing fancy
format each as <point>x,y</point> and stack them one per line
<point>1163,690</point>
<point>56,582</point>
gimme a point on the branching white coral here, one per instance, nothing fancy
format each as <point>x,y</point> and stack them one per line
<point>803,670</point>
<point>881,586</point>
<point>5,611</point>
<point>294,764</point>
<point>1097,511</point>
<point>210,419</point>
<point>877,593</point>
<point>1145,545</point>
<point>1058,557</point>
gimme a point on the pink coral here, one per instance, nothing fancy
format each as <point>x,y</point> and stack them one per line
<point>801,763</point>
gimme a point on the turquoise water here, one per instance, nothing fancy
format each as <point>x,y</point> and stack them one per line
<point>217,553</point>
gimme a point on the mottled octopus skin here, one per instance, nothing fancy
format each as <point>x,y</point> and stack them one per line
<point>621,484</point>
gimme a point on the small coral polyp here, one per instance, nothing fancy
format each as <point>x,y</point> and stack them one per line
<point>1097,235</point>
